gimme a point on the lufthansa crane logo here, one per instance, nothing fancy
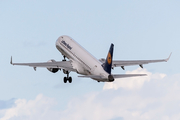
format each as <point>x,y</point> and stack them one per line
<point>109,59</point>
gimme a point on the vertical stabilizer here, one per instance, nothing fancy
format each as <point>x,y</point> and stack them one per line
<point>108,64</point>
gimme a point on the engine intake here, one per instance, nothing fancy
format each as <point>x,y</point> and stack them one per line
<point>53,70</point>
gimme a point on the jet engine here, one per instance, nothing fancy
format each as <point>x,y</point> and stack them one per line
<point>53,70</point>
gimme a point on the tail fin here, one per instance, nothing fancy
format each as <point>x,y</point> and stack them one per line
<point>108,64</point>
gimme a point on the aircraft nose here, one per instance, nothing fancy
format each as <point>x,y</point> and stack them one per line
<point>58,41</point>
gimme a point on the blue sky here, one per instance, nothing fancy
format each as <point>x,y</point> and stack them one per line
<point>139,29</point>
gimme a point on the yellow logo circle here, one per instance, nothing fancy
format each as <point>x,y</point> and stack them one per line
<point>109,59</point>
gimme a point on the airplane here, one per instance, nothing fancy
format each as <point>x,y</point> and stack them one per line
<point>85,64</point>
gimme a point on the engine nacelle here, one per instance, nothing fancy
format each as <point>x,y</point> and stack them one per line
<point>53,70</point>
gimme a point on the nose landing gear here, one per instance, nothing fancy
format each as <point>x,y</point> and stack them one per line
<point>64,58</point>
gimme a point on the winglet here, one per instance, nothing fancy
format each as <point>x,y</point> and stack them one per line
<point>11,61</point>
<point>168,57</point>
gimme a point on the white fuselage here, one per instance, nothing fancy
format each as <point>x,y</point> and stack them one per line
<point>82,61</point>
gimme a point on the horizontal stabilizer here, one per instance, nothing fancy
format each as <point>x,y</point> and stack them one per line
<point>115,76</point>
<point>127,75</point>
<point>92,76</point>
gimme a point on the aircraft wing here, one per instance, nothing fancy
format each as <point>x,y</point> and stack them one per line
<point>59,64</point>
<point>122,63</point>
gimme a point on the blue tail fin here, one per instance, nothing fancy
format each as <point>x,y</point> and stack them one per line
<point>108,63</point>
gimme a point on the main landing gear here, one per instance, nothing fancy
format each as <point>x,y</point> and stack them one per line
<point>68,78</point>
<point>66,72</point>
